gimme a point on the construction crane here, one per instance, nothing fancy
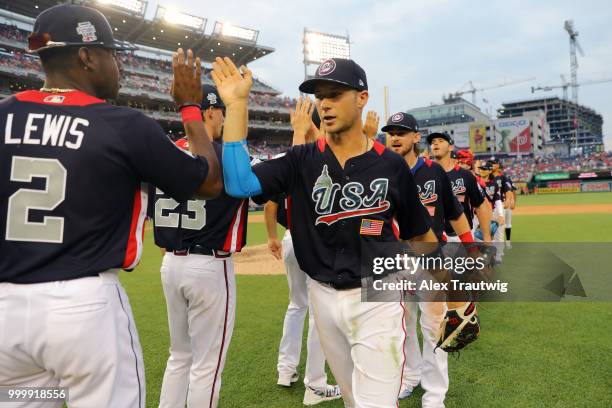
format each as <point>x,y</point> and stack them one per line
<point>574,45</point>
<point>472,89</point>
<point>564,85</point>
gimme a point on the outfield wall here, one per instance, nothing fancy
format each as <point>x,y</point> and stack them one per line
<point>575,187</point>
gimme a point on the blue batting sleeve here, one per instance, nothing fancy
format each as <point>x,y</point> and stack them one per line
<point>239,179</point>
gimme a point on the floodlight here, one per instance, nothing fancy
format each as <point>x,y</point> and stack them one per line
<point>135,6</point>
<point>241,33</point>
<point>172,16</point>
<point>319,47</point>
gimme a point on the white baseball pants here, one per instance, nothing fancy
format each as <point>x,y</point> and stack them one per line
<point>291,343</point>
<point>508,217</point>
<point>200,295</point>
<point>78,334</point>
<point>428,368</point>
<point>363,343</point>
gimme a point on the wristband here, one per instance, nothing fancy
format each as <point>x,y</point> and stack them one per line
<point>467,237</point>
<point>190,113</point>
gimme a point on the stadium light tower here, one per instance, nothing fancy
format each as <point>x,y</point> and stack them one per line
<point>319,47</point>
<point>232,31</point>
<point>135,6</point>
<point>174,17</point>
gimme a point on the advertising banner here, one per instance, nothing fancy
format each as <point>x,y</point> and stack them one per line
<point>552,176</point>
<point>514,135</point>
<point>552,190</point>
<point>599,186</point>
<point>478,138</point>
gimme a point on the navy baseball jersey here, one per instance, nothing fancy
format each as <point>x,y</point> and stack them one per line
<point>436,194</point>
<point>219,224</point>
<point>73,196</point>
<point>503,185</point>
<point>335,209</point>
<point>283,212</point>
<point>493,189</point>
<point>468,192</point>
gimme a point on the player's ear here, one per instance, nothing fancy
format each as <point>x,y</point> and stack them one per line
<point>86,58</point>
<point>362,99</point>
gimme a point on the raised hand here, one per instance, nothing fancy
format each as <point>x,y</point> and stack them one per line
<point>370,127</point>
<point>187,80</point>
<point>232,84</point>
<point>301,117</point>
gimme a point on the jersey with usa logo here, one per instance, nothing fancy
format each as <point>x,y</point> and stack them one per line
<point>335,209</point>
<point>468,192</point>
<point>73,196</point>
<point>219,224</point>
<point>436,194</point>
<point>493,189</point>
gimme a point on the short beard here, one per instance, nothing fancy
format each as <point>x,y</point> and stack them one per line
<point>406,151</point>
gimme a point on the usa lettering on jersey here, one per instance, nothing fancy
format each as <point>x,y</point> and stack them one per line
<point>353,202</point>
<point>427,194</point>
<point>458,186</point>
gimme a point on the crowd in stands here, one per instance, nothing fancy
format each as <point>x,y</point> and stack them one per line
<point>21,61</point>
<point>266,150</point>
<point>13,33</point>
<point>141,73</point>
<point>590,162</point>
<point>522,169</point>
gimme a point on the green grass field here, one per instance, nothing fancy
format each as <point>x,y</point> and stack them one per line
<point>529,354</point>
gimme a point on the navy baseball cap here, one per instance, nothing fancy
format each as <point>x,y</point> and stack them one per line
<point>442,135</point>
<point>68,25</point>
<point>403,121</point>
<point>339,71</point>
<point>486,166</point>
<point>210,97</point>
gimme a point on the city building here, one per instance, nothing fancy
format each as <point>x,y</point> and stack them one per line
<point>576,126</point>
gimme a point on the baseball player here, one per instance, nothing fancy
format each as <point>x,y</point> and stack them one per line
<point>509,196</point>
<point>315,378</point>
<point>73,205</point>
<point>346,190</point>
<point>484,214</point>
<point>493,189</point>
<point>465,186</point>
<point>198,279</point>
<point>436,193</point>
<point>304,122</point>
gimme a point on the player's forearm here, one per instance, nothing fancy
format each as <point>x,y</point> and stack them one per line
<point>270,211</point>
<point>236,121</point>
<point>461,225</point>
<point>200,145</point>
<point>484,214</point>
<point>239,179</point>
<point>425,244</point>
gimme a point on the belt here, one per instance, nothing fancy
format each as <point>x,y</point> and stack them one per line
<point>344,286</point>
<point>201,250</point>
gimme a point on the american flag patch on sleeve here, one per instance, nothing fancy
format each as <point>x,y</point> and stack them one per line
<point>371,227</point>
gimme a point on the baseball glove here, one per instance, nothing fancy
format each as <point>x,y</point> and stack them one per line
<point>459,328</point>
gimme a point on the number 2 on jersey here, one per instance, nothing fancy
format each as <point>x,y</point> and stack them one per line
<point>51,229</point>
